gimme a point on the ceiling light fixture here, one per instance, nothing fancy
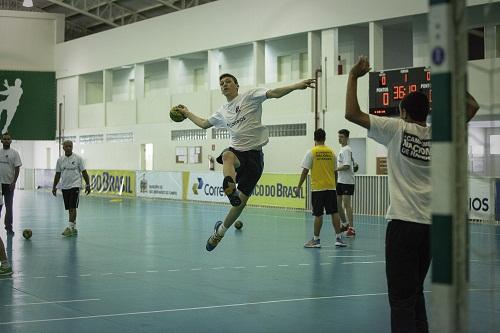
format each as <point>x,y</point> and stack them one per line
<point>27,3</point>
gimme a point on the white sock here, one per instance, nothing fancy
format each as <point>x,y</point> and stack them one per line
<point>222,230</point>
<point>315,237</point>
<point>72,225</point>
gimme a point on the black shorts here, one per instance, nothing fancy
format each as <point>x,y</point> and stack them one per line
<point>71,197</point>
<point>250,169</point>
<point>345,189</point>
<point>324,201</point>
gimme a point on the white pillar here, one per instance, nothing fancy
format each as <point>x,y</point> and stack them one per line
<point>259,63</point>
<point>376,46</point>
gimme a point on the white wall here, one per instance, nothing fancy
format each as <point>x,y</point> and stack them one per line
<point>28,40</point>
<point>239,62</point>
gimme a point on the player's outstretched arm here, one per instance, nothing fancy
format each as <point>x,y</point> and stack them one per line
<point>282,91</point>
<point>353,112</point>
<point>198,121</point>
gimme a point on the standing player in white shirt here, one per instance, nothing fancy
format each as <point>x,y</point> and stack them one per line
<point>345,183</point>
<point>407,242</point>
<point>10,164</point>
<point>243,162</point>
<point>69,169</point>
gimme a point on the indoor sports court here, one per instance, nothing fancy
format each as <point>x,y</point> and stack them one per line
<point>176,114</point>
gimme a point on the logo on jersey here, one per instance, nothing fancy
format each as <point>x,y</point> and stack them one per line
<point>414,147</point>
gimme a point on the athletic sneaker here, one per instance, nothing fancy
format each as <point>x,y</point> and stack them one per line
<point>74,231</point>
<point>350,232</point>
<point>5,271</point>
<point>215,238</point>
<point>230,190</point>
<point>313,243</point>
<point>67,232</point>
<point>339,242</point>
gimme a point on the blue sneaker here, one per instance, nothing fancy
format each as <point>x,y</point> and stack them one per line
<point>215,238</point>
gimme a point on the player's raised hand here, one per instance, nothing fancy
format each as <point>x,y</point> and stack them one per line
<point>308,83</point>
<point>361,68</point>
<point>183,109</point>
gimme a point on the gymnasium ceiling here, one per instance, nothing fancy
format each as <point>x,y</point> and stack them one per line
<point>86,17</point>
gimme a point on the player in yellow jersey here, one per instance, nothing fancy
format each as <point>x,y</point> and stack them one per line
<point>321,161</point>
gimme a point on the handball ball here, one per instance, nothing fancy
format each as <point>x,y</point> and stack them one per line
<point>27,233</point>
<point>238,224</point>
<point>176,115</point>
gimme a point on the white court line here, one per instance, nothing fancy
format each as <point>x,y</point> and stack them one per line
<point>304,264</point>
<point>107,274</point>
<point>151,271</point>
<point>369,255</point>
<point>325,263</point>
<point>85,274</point>
<point>130,272</point>
<point>56,302</point>
<point>174,270</point>
<point>218,267</point>
<point>283,265</point>
<point>196,269</point>
<point>362,262</point>
<point>261,266</point>
<point>190,309</point>
<point>61,276</point>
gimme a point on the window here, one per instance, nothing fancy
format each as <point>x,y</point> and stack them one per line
<point>476,43</point>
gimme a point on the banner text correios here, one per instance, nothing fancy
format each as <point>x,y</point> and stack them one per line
<point>277,190</point>
<point>113,182</point>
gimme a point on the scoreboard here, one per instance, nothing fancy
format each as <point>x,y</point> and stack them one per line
<point>388,88</point>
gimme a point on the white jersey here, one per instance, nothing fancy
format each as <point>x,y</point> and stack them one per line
<point>408,166</point>
<point>9,160</point>
<point>345,158</point>
<point>242,117</point>
<point>71,168</point>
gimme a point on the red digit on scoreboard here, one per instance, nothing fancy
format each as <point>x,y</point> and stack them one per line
<point>406,77</point>
<point>383,80</point>
<point>428,75</point>
<point>398,92</point>
<point>385,98</point>
<point>413,87</point>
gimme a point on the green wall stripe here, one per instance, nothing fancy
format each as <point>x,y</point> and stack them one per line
<point>441,247</point>
<point>441,107</point>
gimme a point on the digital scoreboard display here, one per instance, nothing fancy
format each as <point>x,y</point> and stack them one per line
<point>388,88</point>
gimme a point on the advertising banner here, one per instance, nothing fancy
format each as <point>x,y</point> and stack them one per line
<point>481,198</point>
<point>206,186</point>
<point>157,184</point>
<point>113,182</point>
<point>28,104</point>
<point>277,190</point>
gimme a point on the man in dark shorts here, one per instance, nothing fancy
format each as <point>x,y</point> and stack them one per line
<point>345,183</point>
<point>321,161</point>
<point>243,162</point>
<point>69,169</point>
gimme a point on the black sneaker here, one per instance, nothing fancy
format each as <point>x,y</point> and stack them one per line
<point>229,187</point>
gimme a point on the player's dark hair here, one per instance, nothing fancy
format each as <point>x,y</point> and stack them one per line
<point>229,75</point>
<point>344,132</point>
<point>319,135</point>
<point>416,104</point>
